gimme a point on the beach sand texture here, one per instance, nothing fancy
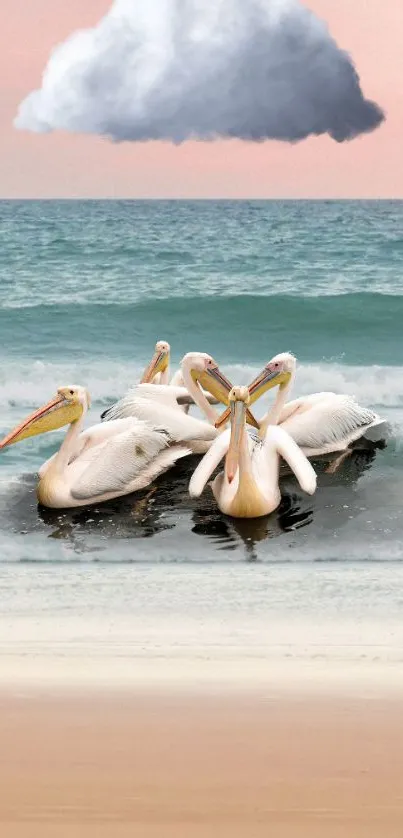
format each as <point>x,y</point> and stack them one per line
<point>180,766</point>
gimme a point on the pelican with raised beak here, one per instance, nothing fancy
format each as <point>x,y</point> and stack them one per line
<point>249,485</point>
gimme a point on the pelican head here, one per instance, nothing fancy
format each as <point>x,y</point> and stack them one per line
<point>66,407</point>
<point>159,362</point>
<point>277,372</point>
<point>205,371</point>
<point>239,399</point>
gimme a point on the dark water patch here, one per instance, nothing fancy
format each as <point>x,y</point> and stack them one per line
<point>164,523</point>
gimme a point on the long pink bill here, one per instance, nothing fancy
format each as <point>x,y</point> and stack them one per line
<point>18,431</point>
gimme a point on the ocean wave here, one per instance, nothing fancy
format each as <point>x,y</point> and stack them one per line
<point>25,384</point>
<point>375,386</point>
<point>360,329</point>
<point>186,296</point>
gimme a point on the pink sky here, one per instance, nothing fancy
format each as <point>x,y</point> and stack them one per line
<point>67,165</point>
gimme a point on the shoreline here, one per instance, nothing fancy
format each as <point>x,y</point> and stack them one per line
<point>292,629</point>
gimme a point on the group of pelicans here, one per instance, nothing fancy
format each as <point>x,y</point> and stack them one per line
<point>150,429</point>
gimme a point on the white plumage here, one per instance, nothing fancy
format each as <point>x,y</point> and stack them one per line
<point>173,396</point>
<point>326,422</point>
<point>253,490</point>
<point>161,405</point>
<point>103,462</point>
<point>320,423</point>
<point>126,462</point>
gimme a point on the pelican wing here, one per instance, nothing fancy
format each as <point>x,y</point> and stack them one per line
<point>304,403</point>
<point>124,463</point>
<point>326,422</point>
<point>166,394</point>
<point>209,462</point>
<point>181,428</point>
<point>126,406</point>
<point>290,452</point>
<point>92,436</point>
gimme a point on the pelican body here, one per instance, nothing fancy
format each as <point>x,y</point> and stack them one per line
<point>203,381</point>
<point>122,455</point>
<point>321,423</point>
<point>104,462</point>
<point>249,485</point>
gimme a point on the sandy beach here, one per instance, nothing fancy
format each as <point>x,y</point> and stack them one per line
<point>201,704</point>
<point>173,765</point>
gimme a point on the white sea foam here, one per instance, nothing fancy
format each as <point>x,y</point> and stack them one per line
<point>373,385</point>
<point>25,384</point>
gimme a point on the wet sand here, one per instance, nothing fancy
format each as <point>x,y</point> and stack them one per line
<point>173,765</point>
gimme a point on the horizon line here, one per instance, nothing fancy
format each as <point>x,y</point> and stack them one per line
<point>71,198</point>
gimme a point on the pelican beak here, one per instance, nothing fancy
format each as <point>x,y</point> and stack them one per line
<point>159,363</point>
<point>226,415</point>
<point>56,413</point>
<point>213,380</point>
<point>223,418</point>
<point>268,378</point>
<point>238,415</point>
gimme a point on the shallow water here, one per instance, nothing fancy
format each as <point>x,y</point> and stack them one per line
<point>87,287</point>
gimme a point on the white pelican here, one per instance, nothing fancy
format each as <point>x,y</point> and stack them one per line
<point>159,405</point>
<point>104,462</point>
<point>158,370</point>
<point>248,486</point>
<point>321,423</point>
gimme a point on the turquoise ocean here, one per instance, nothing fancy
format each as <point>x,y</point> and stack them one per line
<point>86,288</point>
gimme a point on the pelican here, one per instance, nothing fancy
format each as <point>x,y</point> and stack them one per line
<point>171,392</point>
<point>104,462</point>
<point>321,423</point>
<point>248,486</point>
<point>159,405</point>
<point>158,370</point>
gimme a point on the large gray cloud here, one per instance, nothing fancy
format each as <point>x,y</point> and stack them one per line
<point>177,69</point>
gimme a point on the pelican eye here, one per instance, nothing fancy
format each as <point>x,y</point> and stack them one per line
<point>71,392</point>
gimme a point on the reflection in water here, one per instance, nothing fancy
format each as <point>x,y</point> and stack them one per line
<point>167,506</point>
<point>227,532</point>
<point>295,511</point>
<point>136,516</point>
<point>347,468</point>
